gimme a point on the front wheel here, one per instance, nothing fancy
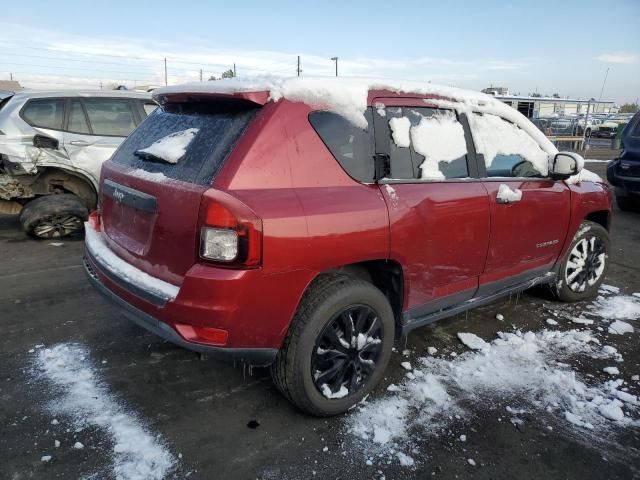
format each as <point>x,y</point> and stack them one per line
<point>338,346</point>
<point>585,266</point>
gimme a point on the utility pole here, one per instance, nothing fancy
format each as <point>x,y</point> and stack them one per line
<point>234,70</point>
<point>201,75</point>
<point>165,71</point>
<point>298,69</point>
<point>586,139</point>
<point>11,74</point>
<point>335,59</point>
<point>603,83</point>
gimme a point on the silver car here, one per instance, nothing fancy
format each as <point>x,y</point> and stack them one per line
<point>52,146</point>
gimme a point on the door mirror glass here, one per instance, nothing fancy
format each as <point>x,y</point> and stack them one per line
<point>42,141</point>
<point>565,165</point>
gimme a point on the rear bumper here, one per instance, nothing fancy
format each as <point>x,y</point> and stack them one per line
<point>94,270</point>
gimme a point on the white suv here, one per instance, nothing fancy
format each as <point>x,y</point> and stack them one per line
<point>52,146</point>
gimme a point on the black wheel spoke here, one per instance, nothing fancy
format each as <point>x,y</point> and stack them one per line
<point>585,264</point>
<point>347,351</point>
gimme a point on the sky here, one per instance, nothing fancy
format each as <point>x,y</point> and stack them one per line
<point>549,47</point>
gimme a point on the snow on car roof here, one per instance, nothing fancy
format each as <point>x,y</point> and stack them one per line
<point>349,96</point>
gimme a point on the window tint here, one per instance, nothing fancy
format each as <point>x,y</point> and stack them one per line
<point>350,145</point>
<point>149,108</point>
<point>426,143</point>
<point>508,150</point>
<point>111,117</point>
<point>77,119</point>
<point>44,113</point>
<point>220,125</point>
<point>636,128</point>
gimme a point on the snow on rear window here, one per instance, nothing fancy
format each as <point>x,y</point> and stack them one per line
<point>439,138</point>
<point>400,127</point>
<point>172,147</point>
<point>494,136</point>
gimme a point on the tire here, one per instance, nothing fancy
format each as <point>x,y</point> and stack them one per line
<point>590,246</point>
<point>626,204</point>
<point>307,356</point>
<point>54,216</point>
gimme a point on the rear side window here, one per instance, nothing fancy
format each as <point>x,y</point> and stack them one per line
<point>426,144</point>
<point>216,127</point>
<point>110,117</point>
<point>350,145</point>
<point>149,108</point>
<point>44,113</point>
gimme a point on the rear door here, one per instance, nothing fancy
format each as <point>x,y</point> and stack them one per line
<point>528,232</point>
<point>150,200</point>
<point>438,211</point>
<point>95,128</point>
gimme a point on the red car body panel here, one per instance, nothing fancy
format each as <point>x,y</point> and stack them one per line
<point>450,238</point>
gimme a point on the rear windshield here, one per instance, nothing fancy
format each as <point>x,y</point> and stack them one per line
<point>216,127</point>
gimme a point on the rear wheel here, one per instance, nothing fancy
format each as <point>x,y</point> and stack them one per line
<point>54,216</point>
<point>338,346</point>
<point>585,266</point>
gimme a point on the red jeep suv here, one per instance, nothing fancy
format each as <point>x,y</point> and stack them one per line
<point>307,224</point>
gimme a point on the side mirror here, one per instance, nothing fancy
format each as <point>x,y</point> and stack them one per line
<point>42,141</point>
<point>565,165</point>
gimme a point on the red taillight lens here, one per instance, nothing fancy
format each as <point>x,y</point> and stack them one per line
<point>94,220</point>
<point>230,232</point>
<point>215,336</point>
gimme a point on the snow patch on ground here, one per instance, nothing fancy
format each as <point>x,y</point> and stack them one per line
<point>618,307</point>
<point>472,341</point>
<point>523,366</point>
<point>137,454</point>
<point>620,328</point>
<point>172,147</point>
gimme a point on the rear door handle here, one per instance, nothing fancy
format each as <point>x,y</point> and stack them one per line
<point>79,143</point>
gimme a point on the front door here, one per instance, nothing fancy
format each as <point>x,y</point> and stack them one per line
<point>529,211</point>
<point>439,214</point>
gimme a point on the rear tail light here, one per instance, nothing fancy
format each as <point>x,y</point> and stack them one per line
<point>230,232</point>
<point>94,220</point>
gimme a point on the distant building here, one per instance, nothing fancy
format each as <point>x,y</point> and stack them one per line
<point>535,107</point>
<point>10,85</point>
<point>496,90</point>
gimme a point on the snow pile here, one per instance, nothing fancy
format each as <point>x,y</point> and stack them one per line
<point>400,127</point>
<point>493,136</point>
<point>620,328</point>
<point>506,194</point>
<point>619,307</point>
<point>137,454</point>
<point>523,366</point>
<point>172,147</point>
<point>473,341</point>
<point>439,138</point>
<point>98,248</point>
<point>584,176</point>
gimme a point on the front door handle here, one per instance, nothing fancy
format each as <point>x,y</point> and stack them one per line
<point>79,143</point>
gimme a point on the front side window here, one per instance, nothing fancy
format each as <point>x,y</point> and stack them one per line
<point>44,113</point>
<point>110,117</point>
<point>426,144</point>
<point>508,150</point>
<point>351,145</point>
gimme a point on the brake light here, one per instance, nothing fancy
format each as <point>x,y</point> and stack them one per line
<point>94,220</point>
<point>230,232</point>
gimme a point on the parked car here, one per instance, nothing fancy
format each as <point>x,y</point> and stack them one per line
<point>52,146</point>
<point>308,224</point>
<point>624,172</point>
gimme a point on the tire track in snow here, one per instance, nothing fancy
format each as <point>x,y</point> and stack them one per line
<point>137,454</point>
